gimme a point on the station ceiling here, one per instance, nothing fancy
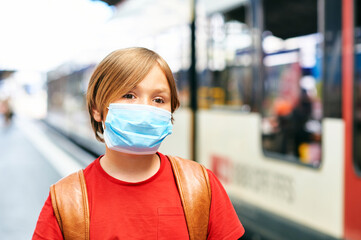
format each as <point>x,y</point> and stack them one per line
<point>285,18</point>
<point>111,2</point>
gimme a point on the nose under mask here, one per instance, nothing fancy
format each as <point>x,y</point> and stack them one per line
<point>135,128</point>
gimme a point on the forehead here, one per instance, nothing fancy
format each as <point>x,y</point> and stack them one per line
<point>155,79</point>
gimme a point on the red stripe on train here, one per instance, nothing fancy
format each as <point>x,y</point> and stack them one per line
<point>352,217</point>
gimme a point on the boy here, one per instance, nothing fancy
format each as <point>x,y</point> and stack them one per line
<point>132,192</point>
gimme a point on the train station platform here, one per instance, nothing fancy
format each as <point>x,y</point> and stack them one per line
<point>33,156</point>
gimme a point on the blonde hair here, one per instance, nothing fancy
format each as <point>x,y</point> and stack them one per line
<point>117,74</point>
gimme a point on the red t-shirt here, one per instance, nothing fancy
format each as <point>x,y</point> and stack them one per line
<point>150,209</point>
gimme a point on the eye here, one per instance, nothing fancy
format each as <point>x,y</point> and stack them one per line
<point>159,100</point>
<point>128,96</point>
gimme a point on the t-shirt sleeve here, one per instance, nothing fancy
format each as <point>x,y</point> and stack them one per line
<point>223,221</point>
<point>47,227</point>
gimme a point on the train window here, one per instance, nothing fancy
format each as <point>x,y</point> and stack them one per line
<point>357,87</point>
<point>292,86</point>
<point>225,74</point>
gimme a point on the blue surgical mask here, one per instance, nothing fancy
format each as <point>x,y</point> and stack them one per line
<point>136,129</point>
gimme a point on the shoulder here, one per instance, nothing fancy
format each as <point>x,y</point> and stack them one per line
<point>75,177</point>
<point>188,168</point>
<point>192,168</point>
<point>92,166</point>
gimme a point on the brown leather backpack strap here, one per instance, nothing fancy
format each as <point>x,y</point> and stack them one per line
<point>195,192</point>
<point>70,203</point>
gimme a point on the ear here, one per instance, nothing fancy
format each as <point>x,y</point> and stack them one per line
<point>97,116</point>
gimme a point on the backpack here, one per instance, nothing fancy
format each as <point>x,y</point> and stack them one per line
<point>70,200</point>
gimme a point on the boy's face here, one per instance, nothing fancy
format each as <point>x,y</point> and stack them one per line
<point>153,90</point>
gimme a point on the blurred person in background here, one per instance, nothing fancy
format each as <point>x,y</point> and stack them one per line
<point>132,191</point>
<point>7,111</point>
<point>301,114</point>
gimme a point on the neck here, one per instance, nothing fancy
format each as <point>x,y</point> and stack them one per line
<point>129,167</point>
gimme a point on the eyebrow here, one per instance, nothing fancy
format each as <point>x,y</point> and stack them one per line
<point>160,89</point>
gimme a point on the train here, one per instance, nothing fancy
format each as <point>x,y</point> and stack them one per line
<point>276,106</point>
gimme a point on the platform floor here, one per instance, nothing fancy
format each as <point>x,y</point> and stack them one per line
<point>32,158</point>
